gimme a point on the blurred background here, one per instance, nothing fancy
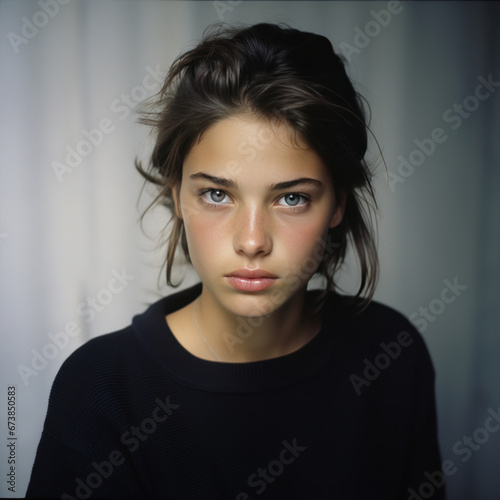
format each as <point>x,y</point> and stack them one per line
<point>72,75</point>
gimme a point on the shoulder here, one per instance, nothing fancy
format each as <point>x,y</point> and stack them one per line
<point>380,353</point>
<point>374,319</point>
<point>104,353</point>
<point>95,383</point>
<point>120,363</point>
<point>376,314</point>
<point>380,334</point>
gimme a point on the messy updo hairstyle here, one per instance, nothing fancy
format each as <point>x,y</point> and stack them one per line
<point>284,76</point>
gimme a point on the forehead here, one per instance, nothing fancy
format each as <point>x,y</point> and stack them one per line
<point>245,146</point>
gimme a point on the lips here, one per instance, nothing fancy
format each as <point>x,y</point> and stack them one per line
<point>250,280</point>
<point>251,274</point>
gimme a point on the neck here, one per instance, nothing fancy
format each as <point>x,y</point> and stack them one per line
<point>238,339</point>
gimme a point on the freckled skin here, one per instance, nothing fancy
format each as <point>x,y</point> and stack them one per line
<point>248,225</point>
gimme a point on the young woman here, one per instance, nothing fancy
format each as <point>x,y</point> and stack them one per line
<point>249,385</point>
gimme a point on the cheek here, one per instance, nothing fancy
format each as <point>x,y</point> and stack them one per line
<point>302,241</point>
<point>203,237</point>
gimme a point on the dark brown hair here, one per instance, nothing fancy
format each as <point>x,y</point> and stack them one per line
<point>282,75</point>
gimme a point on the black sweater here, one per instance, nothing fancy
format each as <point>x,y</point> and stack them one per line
<point>350,415</point>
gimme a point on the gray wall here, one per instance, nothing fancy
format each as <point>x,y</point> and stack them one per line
<point>63,236</point>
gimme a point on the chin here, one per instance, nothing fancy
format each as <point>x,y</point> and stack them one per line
<point>254,305</point>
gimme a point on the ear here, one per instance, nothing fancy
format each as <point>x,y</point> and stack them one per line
<point>339,209</point>
<point>176,189</point>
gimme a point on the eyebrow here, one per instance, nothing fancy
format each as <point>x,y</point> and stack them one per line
<point>229,183</point>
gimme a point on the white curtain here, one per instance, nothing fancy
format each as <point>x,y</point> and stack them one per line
<point>74,262</point>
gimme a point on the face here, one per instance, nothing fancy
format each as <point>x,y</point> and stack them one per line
<point>256,210</point>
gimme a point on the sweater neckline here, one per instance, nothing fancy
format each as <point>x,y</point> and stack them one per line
<point>163,347</point>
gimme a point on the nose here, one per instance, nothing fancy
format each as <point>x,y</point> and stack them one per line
<point>252,235</point>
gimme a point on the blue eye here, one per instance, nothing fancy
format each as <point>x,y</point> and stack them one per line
<point>214,196</point>
<point>293,199</point>
<point>217,196</point>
